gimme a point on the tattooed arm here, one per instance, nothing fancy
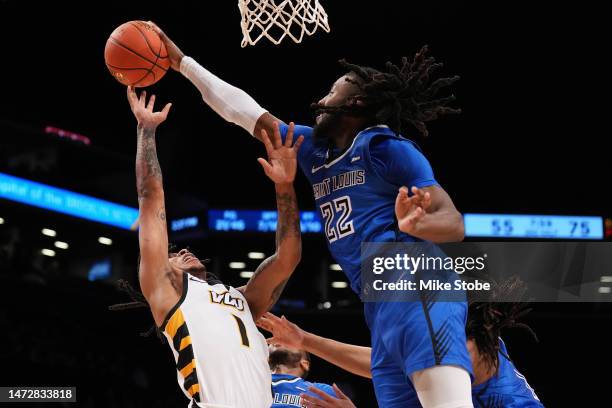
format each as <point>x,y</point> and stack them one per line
<point>156,279</point>
<point>266,285</point>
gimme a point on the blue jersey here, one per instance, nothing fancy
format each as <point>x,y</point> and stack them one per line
<point>355,191</point>
<point>507,389</point>
<point>286,390</point>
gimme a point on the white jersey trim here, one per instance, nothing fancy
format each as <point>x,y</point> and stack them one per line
<point>286,381</point>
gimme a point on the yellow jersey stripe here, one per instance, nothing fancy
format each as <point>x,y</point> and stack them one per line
<point>174,323</point>
<point>195,388</point>
<point>185,342</point>
<point>187,369</point>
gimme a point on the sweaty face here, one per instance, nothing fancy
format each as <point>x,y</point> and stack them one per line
<point>339,95</point>
<point>186,262</point>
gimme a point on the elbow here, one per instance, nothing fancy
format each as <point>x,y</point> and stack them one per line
<point>290,259</point>
<point>453,231</point>
<point>294,259</point>
<point>298,258</point>
<point>150,189</point>
<point>459,234</point>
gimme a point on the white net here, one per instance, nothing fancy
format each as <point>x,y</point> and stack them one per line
<point>277,19</point>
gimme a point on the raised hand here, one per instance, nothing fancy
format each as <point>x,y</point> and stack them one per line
<point>174,52</point>
<point>324,400</point>
<point>281,165</point>
<point>143,111</point>
<point>410,210</point>
<point>284,333</point>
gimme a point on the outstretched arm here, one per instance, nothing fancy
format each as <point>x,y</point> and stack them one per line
<point>230,102</point>
<point>267,283</point>
<point>354,359</point>
<point>154,270</point>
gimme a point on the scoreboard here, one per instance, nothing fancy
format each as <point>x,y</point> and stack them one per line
<point>257,221</point>
<point>533,226</point>
<point>476,225</point>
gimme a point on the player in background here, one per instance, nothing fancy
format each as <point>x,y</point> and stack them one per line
<point>221,357</point>
<point>358,164</point>
<point>497,382</point>
<point>290,367</point>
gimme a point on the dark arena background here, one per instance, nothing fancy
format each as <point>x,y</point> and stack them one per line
<point>526,143</point>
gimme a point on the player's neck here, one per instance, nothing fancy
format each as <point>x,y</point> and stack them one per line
<point>178,273</point>
<point>344,139</point>
<point>347,133</point>
<point>284,370</point>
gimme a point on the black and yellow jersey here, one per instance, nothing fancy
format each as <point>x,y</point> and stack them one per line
<point>221,357</point>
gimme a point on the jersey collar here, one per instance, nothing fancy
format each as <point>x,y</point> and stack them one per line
<point>280,377</point>
<point>382,128</point>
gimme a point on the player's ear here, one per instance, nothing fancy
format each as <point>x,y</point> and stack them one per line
<point>354,100</point>
<point>305,365</point>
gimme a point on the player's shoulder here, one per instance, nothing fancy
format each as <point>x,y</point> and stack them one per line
<point>326,388</point>
<point>384,144</point>
<point>381,137</point>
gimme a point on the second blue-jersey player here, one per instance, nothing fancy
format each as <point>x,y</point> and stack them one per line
<point>287,390</point>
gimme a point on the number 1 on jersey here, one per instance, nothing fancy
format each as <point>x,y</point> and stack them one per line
<point>242,330</point>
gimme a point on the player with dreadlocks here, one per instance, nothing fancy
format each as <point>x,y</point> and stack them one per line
<point>500,384</point>
<point>497,383</point>
<point>221,358</point>
<point>359,166</point>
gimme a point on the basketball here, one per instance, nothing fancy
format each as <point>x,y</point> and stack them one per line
<point>135,54</point>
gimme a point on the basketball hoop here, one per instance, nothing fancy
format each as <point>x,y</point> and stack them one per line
<point>277,19</point>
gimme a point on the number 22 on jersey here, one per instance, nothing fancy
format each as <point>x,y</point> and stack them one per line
<point>336,214</point>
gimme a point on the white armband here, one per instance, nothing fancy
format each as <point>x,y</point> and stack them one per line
<point>231,103</point>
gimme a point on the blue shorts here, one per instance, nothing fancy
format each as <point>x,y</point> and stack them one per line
<point>409,337</point>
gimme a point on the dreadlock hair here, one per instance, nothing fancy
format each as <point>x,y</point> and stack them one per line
<point>399,96</point>
<point>139,301</point>
<point>487,319</point>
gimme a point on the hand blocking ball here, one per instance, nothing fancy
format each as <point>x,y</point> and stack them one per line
<point>135,54</point>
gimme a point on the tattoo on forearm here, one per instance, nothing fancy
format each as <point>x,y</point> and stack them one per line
<point>288,217</point>
<point>263,266</point>
<point>288,226</point>
<point>147,165</point>
<point>277,292</point>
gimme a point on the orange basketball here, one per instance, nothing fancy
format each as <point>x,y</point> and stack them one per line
<point>135,55</point>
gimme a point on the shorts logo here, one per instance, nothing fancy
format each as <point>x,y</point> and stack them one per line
<point>227,299</point>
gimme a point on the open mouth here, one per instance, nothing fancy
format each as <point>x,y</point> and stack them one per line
<point>189,258</point>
